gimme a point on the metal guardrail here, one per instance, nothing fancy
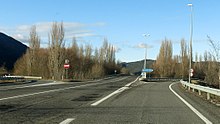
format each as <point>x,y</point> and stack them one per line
<point>207,90</point>
<point>159,79</point>
<point>18,78</point>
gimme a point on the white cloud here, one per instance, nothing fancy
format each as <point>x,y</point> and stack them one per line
<point>20,37</point>
<point>98,24</point>
<point>72,29</point>
<point>143,45</point>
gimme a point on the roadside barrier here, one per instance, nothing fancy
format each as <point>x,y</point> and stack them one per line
<point>201,89</point>
<point>18,78</point>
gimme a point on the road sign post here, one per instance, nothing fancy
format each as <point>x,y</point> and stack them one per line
<point>191,72</point>
<point>66,66</point>
<point>147,70</point>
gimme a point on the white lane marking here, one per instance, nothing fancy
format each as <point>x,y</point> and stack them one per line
<point>190,106</point>
<point>38,85</point>
<point>35,85</point>
<point>148,82</point>
<point>129,84</point>
<point>112,94</point>
<point>53,83</point>
<point>55,90</point>
<point>67,121</point>
<point>49,91</point>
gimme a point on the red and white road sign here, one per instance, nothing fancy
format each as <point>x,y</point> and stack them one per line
<point>66,66</point>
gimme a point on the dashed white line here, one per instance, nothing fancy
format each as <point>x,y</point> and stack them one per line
<point>190,106</point>
<point>112,94</point>
<point>67,121</point>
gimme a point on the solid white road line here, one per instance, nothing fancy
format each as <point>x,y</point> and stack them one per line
<point>55,90</point>
<point>67,121</point>
<point>190,106</point>
<point>112,94</point>
<point>52,83</point>
<point>38,85</point>
<point>49,91</point>
<point>35,85</point>
<point>129,84</point>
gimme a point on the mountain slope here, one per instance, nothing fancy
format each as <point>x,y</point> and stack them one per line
<point>10,51</point>
<point>136,67</point>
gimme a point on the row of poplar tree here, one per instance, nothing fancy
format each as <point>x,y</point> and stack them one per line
<point>205,67</point>
<point>86,62</point>
<point>48,62</point>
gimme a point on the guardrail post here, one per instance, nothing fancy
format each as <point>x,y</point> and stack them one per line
<point>189,88</point>
<point>208,96</point>
<point>201,89</point>
<point>199,92</point>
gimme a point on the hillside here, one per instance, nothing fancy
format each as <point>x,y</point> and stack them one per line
<point>136,67</point>
<point>10,51</point>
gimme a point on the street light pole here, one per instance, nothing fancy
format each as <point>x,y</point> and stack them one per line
<point>145,58</point>
<point>145,63</point>
<point>190,41</point>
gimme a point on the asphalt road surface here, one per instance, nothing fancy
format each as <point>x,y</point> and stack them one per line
<point>116,100</point>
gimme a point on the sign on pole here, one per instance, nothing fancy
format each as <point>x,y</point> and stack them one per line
<point>191,74</point>
<point>67,61</point>
<point>66,66</point>
<point>147,70</point>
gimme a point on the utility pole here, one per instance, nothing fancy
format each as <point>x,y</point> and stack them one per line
<point>145,58</point>
<point>190,41</point>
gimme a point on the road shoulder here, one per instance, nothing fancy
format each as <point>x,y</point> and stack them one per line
<point>208,109</point>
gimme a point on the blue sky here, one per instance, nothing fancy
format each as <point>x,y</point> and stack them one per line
<point>122,22</point>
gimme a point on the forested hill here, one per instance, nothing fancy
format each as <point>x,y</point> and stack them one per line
<point>10,51</point>
<point>136,67</point>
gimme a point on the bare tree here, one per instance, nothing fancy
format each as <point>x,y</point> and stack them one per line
<point>212,71</point>
<point>43,59</point>
<point>73,55</point>
<point>56,50</point>
<point>184,59</point>
<point>97,69</point>
<point>29,63</point>
<point>82,62</point>
<point>216,50</point>
<point>32,53</point>
<point>164,60</point>
<point>96,55</point>
<point>176,66</point>
<point>20,67</point>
